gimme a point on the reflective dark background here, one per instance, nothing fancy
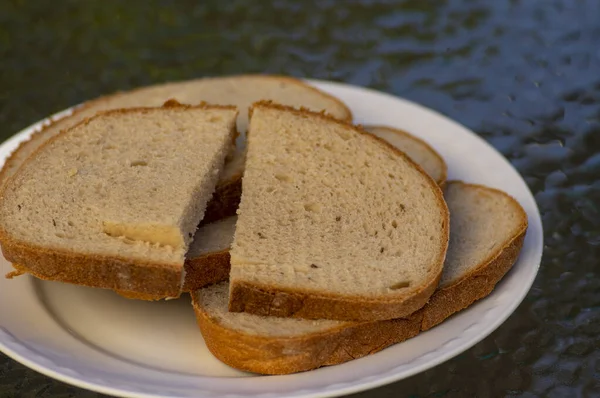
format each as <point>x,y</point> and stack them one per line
<point>525,75</point>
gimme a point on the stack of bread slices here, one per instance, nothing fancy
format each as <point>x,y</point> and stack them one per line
<point>304,240</point>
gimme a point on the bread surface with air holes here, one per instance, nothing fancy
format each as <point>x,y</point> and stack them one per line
<point>333,222</point>
<point>487,232</point>
<point>115,201</point>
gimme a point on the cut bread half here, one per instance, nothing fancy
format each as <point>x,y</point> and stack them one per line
<point>240,91</point>
<point>334,223</point>
<point>417,149</point>
<point>114,201</point>
<point>487,232</point>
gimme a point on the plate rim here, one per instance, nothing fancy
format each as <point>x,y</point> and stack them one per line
<point>351,385</point>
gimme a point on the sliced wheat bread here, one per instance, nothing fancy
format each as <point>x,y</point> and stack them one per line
<point>487,229</point>
<point>333,223</point>
<point>240,91</point>
<point>417,149</point>
<point>487,232</point>
<point>114,201</point>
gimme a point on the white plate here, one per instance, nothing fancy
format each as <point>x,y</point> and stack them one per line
<point>97,340</point>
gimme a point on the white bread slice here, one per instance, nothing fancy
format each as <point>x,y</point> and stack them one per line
<point>240,91</point>
<point>333,223</point>
<point>417,149</point>
<point>487,232</point>
<point>114,201</point>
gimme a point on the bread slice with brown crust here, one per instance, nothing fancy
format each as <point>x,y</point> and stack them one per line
<point>499,234</point>
<point>417,149</point>
<point>237,90</point>
<point>270,345</point>
<point>303,345</point>
<point>334,222</point>
<point>114,201</point>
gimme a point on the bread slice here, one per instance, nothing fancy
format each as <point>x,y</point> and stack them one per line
<point>114,201</point>
<point>487,232</point>
<point>333,223</point>
<point>273,345</point>
<point>487,229</point>
<point>240,91</point>
<point>417,149</point>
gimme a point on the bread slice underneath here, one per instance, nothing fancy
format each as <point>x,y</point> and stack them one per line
<point>417,149</point>
<point>333,223</point>
<point>114,201</point>
<point>240,91</point>
<point>487,232</point>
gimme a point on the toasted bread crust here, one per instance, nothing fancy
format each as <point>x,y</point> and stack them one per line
<point>206,270</point>
<point>440,181</point>
<point>285,302</point>
<point>143,278</point>
<point>284,355</point>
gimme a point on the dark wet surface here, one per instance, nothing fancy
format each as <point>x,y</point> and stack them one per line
<point>525,75</point>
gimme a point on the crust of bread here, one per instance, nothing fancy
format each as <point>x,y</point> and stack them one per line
<point>287,303</point>
<point>266,355</point>
<point>225,200</point>
<point>18,271</point>
<point>348,118</point>
<point>144,278</point>
<point>284,302</point>
<point>371,337</point>
<point>481,281</point>
<point>199,272</point>
<point>206,270</point>
<point>284,355</point>
<point>11,158</point>
<point>442,180</point>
